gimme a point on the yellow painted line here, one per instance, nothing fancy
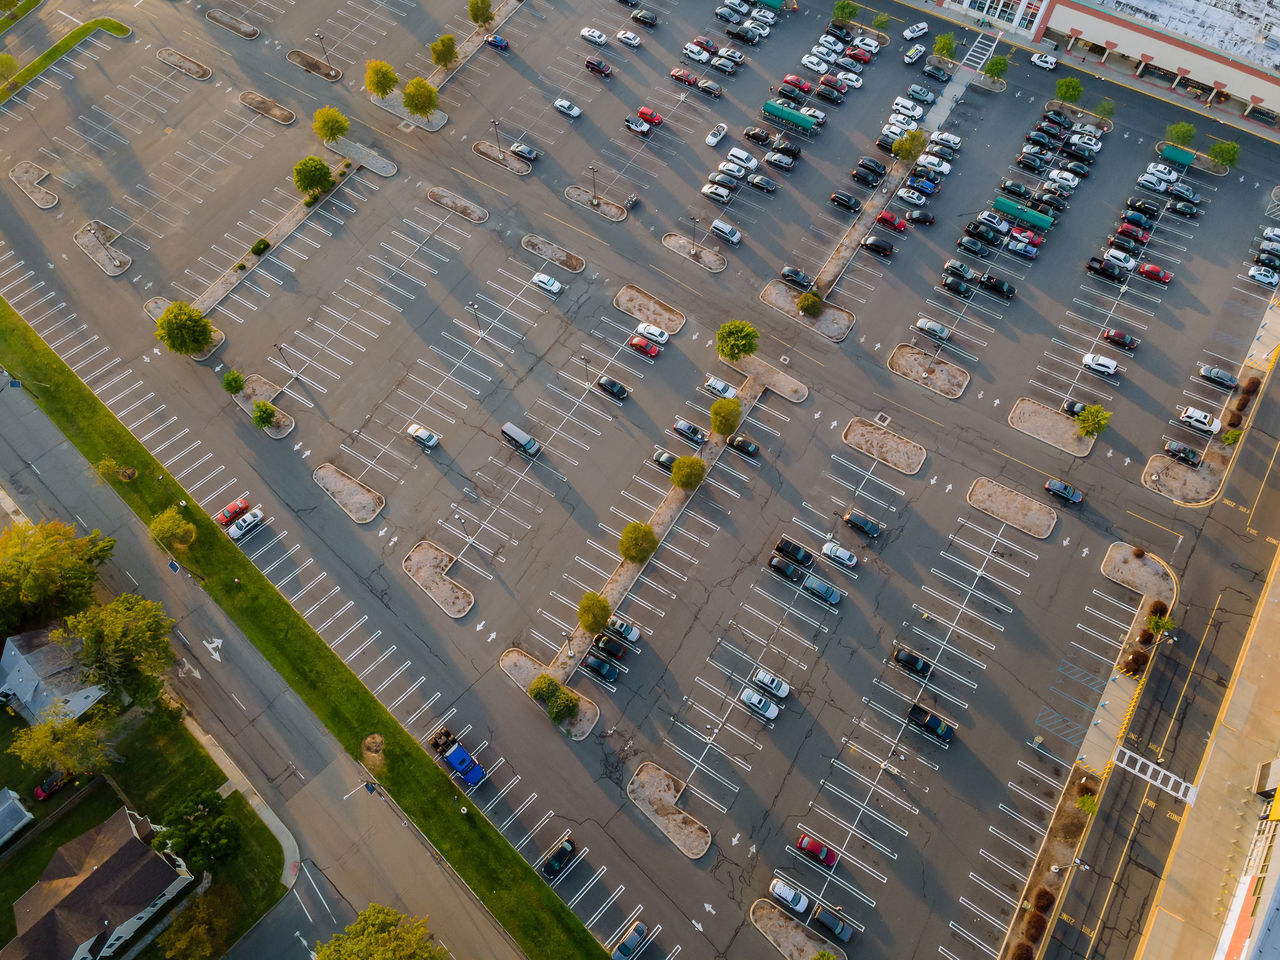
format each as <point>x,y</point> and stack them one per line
<point>1154,524</point>
<point>674,280</point>
<point>292,87</point>
<point>1263,485</point>
<point>579,229</point>
<point>891,16</point>
<point>481,182</point>
<point>207,42</point>
<point>1024,463</point>
<point>792,349</point>
<point>908,409</point>
<point>1173,714</point>
<point>1111,888</point>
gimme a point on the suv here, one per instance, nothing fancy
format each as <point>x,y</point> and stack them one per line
<point>872,164</point>
<point>790,550</point>
<point>980,231</point>
<point>912,662</point>
<point>785,570</point>
<point>821,590</point>
<point>860,521</point>
<point>930,723</point>
<point>958,268</point>
<point>598,67</point>
<point>758,135</point>
<point>555,864</point>
<point>788,148</point>
<point>840,928</point>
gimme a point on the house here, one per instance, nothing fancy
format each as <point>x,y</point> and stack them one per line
<point>95,893</point>
<point>13,815</point>
<point>37,674</point>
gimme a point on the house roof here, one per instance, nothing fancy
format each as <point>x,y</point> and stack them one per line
<point>41,673</point>
<point>13,815</point>
<point>92,885</point>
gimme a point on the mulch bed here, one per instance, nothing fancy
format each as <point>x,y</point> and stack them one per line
<point>655,792</point>
<point>1146,575</point>
<point>905,456</point>
<point>833,322</point>
<point>180,61</point>
<point>1052,426</point>
<point>941,376</point>
<point>788,934</point>
<point>1032,517</point>
<point>647,308</point>
<point>358,501</point>
<point>314,65</point>
<point>234,24</point>
<point>606,208</point>
<point>428,565</point>
<point>1178,481</point>
<point>502,158</point>
<point>704,257</point>
<point>27,176</point>
<point>459,205</point>
<point>549,250</point>
<point>268,107</point>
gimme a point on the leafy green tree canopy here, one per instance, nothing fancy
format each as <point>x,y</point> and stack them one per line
<point>233,382</point>
<point>379,77</point>
<point>311,176</point>
<point>444,51</point>
<point>1225,152</point>
<point>996,67</point>
<point>184,329</point>
<point>688,472</point>
<point>844,10</point>
<point>736,339</point>
<point>726,414</point>
<point>203,930</point>
<point>380,933</point>
<point>60,742</point>
<point>638,542</point>
<point>480,12</point>
<point>810,304</point>
<point>1092,420</point>
<point>910,145</point>
<point>46,571</point>
<point>1180,133</point>
<point>121,643</point>
<point>420,97</point>
<point>1106,109</point>
<point>1069,90</point>
<point>200,831</point>
<point>264,414</point>
<point>880,22</point>
<point>944,45</point>
<point>8,65</point>
<point>593,612</point>
<point>329,123</point>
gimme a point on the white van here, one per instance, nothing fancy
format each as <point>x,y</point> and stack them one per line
<point>743,159</point>
<point>520,440</point>
<point>726,231</point>
<point>908,108</point>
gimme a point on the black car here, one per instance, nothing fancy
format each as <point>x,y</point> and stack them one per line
<point>885,143</point>
<point>1222,378</point>
<point>1001,288</point>
<point>1073,408</point>
<point>860,521</point>
<point>942,151</point>
<point>982,232</point>
<point>1267,260</point>
<point>786,571</point>
<point>846,200</point>
<point>796,277</point>
<point>758,135</point>
<point>1180,451</point>
<point>761,182</point>
<point>936,73</point>
<point>958,268</point>
<point>1061,119</point>
<point>958,287</point>
<point>922,217</point>
<point>1137,219</point>
<point>628,3</point>
<point>1051,200</point>
<point>790,550</point>
<point>788,148</point>
<point>869,179</point>
<point>912,662</point>
<point>612,387</point>
<point>610,645</point>
<point>1183,209</point>
<point>710,88</point>
<point>664,459</point>
<point>1017,189</point>
<point>1124,244</point>
<point>840,32</point>
<point>788,92</point>
<point>925,173</point>
<point>1040,139</point>
<point>828,94</point>
<point>1148,208</point>
<point>877,244</point>
<point>1051,129</point>
<point>1083,154</point>
<point>745,34</point>
<point>554,865</point>
<point>872,164</point>
<point>1080,170</point>
<point>744,446</point>
<point>1032,164</point>
<point>600,667</point>
<point>976,247</point>
<point>722,180</point>
<point>645,18</point>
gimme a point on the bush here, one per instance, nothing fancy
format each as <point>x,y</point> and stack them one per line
<point>241,266</point>
<point>1145,637</point>
<point>638,541</point>
<point>726,414</point>
<point>184,329</point>
<point>264,414</point>
<point>260,246</point>
<point>564,706</point>
<point>1225,152</point>
<point>1232,437</point>
<point>593,612</point>
<point>1250,386</point>
<point>232,382</point>
<point>736,339</point>
<point>688,472</point>
<point>1069,90</point>
<point>944,45</point>
<point>172,529</point>
<point>544,688</point>
<point>1159,608</point>
<point>1134,664</point>
<point>1234,419</point>
<point>1180,133</point>
<point>1160,623</point>
<point>1023,951</point>
<point>1139,553</point>
<point>1034,927</point>
<point>108,469</point>
<point>1043,901</point>
<point>810,304</point>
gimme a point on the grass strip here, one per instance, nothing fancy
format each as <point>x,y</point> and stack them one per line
<point>539,921</point>
<point>21,10</point>
<point>59,50</point>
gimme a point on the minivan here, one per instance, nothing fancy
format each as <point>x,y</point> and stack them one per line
<point>726,231</point>
<point>520,440</point>
<point>742,158</point>
<point>840,928</point>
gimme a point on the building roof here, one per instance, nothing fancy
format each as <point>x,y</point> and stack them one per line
<point>13,815</point>
<point>41,674</point>
<point>93,884</point>
<point>1242,28</point>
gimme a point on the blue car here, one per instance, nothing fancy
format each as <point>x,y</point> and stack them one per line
<point>1021,249</point>
<point>927,187</point>
<point>496,41</point>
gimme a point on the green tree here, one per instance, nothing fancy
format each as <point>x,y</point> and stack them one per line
<point>1106,109</point>
<point>420,97</point>
<point>688,472</point>
<point>593,612</point>
<point>200,831</point>
<point>380,933</point>
<point>203,930</point>
<point>108,468</point>
<point>184,329</point>
<point>824,955</point>
<point>910,145</point>
<point>544,688</point>
<point>58,741</point>
<point>1231,437</point>
<point>312,176</point>
<point>944,45</point>
<point>880,22</point>
<point>8,65</point>
<point>996,67</point>
<point>480,12</point>
<point>123,646</point>
<point>1159,623</point>
<point>232,382</point>
<point>1088,803</point>
<point>379,78</point>
<point>638,541</point>
<point>736,339</point>
<point>8,6</point>
<point>810,304</point>
<point>264,414</point>
<point>564,706</point>
<point>329,123</point>
<point>1180,133</point>
<point>726,414</point>
<point>47,572</point>
<point>1226,152</point>
<point>444,52</point>
<point>1069,90</point>
<point>172,530</point>
<point>844,10</point>
<point>1092,420</point>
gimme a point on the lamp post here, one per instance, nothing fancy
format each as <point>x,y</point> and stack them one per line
<point>463,522</point>
<point>292,372</point>
<point>595,199</point>
<point>586,368</point>
<point>498,137</point>
<point>320,37</point>
<point>475,318</point>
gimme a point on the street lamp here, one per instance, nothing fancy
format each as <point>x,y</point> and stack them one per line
<point>498,137</point>
<point>586,369</point>
<point>320,37</point>
<point>463,521</point>
<point>595,199</point>
<point>472,308</point>
<point>292,372</point>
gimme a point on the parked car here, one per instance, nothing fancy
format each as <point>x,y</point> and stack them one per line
<point>232,512</point>
<point>1180,451</point>
<point>245,524</point>
<point>816,850</point>
<point>759,704</point>
<point>788,896</point>
<point>559,858</point>
<point>1063,490</point>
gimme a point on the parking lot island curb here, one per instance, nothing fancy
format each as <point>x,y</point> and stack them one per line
<point>268,108</point>
<point>180,61</point>
<point>704,257</point>
<point>783,384</point>
<point>458,204</point>
<point>94,238</point>
<point>646,308</point>
<point>219,338</point>
<point>833,322</point>
<point>522,668</point>
<point>363,156</point>
<point>427,565</point>
<point>27,176</point>
<point>891,449</point>
<point>237,26</point>
<point>575,193</point>
<point>656,791</point>
<point>501,158</point>
<point>1007,505</point>
<point>1146,574</point>
<point>432,122</point>
<point>550,250</point>
<point>314,65</point>
<point>789,936</point>
<point>1037,420</point>
<point>943,377</point>
<point>359,501</point>
<point>258,387</point>
<point>1200,161</point>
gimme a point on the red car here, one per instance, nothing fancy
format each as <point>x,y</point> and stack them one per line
<point>1026,236</point>
<point>642,346</point>
<point>800,83</point>
<point>51,785</point>
<point>1158,274</point>
<point>706,44</point>
<point>827,80</point>
<point>1133,233</point>
<point>649,115</point>
<point>684,76</point>
<point>818,851</point>
<point>891,220</point>
<point>232,512</point>
<point>1120,338</point>
<point>857,53</point>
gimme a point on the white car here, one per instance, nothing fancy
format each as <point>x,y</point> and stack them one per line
<point>717,134</point>
<point>732,169</point>
<point>823,54</point>
<point>995,222</point>
<point>1098,363</point>
<point>1088,129</point>
<point>911,197</point>
<point>759,704</point>
<point>789,896</point>
<point>936,164</point>
<point>1201,420</point>
<point>838,554</point>
<point>696,53</point>
<point>567,108</point>
<point>1043,61</point>
<point>913,54</point>
<point>713,191</point>
<point>731,54</point>
<point>627,631</point>
<point>810,62</point>
<point>894,132</point>
<point>742,158</point>
<point>933,329</point>
<point>774,684</point>
<point>592,35</point>
<point>1264,275</point>
<point>906,123</point>
<point>547,283</point>
<point>629,38</point>
<point>867,44</point>
<point>719,388</point>
<point>758,27</point>
<point>1165,173</point>
<point>1271,233</point>
<point>908,109</point>
<point>1149,181</point>
<point>817,116</point>
<point>1064,177</point>
<point>831,43</point>
<point>915,30</point>
<point>852,79</point>
<point>652,333</point>
<point>946,139</point>
<point>245,524</point>
<point>1086,141</point>
<point>1119,258</point>
<point>422,436</point>
<point>764,15</point>
<point>738,7</point>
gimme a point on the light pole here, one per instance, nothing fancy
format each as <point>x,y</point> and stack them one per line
<point>472,308</point>
<point>463,522</point>
<point>586,369</point>
<point>320,37</point>
<point>498,137</point>
<point>292,372</point>
<point>595,199</point>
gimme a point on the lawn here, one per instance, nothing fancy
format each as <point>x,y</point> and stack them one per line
<point>163,765</point>
<point>25,7</point>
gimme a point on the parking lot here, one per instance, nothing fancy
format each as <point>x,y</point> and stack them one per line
<point>386,309</point>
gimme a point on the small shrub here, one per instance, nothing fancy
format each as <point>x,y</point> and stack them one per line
<point>1043,901</point>
<point>1139,553</point>
<point>240,266</point>
<point>544,688</point>
<point>1234,419</point>
<point>264,414</point>
<point>564,706</point>
<point>1145,637</point>
<point>1251,386</point>
<point>1136,662</point>
<point>1232,437</point>
<point>108,470</point>
<point>810,304</point>
<point>1242,402</point>
<point>1035,926</point>
<point>1159,608</point>
<point>1023,951</point>
<point>232,382</point>
<point>260,246</point>
<point>726,415</point>
<point>309,201</point>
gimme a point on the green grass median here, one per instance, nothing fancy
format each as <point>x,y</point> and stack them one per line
<point>539,921</point>
<point>21,10</point>
<point>59,50</point>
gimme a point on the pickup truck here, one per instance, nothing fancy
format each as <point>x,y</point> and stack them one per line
<point>930,723</point>
<point>455,755</point>
<point>1106,269</point>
